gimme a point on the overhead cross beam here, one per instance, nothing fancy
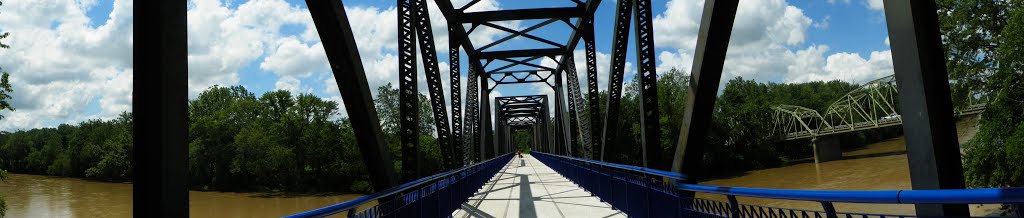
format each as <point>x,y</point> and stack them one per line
<point>520,53</point>
<point>522,14</point>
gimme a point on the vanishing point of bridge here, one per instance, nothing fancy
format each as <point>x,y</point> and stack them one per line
<point>565,175</point>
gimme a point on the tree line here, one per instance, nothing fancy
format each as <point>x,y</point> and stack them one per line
<point>238,141</point>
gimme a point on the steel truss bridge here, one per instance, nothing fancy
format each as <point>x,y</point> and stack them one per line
<point>571,143</point>
<point>869,106</point>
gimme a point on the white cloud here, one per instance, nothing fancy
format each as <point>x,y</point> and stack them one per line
<point>222,41</point>
<point>875,5</point>
<point>61,62</point>
<point>765,45</point>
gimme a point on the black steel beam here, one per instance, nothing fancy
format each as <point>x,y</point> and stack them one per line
<point>580,118</point>
<point>521,34</point>
<point>517,33</point>
<point>340,45</point>
<point>161,109</point>
<point>454,78</point>
<point>593,95</point>
<point>473,112</point>
<point>712,44</point>
<point>452,15</point>
<point>435,89</point>
<point>510,65</point>
<point>409,94</point>
<point>620,45</point>
<point>519,53</point>
<point>651,126</point>
<point>928,122</point>
<point>522,14</point>
<point>485,118</point>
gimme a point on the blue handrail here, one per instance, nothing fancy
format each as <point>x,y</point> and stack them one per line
<point>354,203</point>
<point>661,173</point>
<point>610,183</point>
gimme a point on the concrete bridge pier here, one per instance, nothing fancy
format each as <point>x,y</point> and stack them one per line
<point>826,148</point>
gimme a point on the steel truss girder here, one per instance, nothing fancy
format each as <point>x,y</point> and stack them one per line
<point>865,103</point>
<point>789,119</point>
<point>472,112</point>
<point>620,45</point>
<point>576,105</point>
<point>455,75</point>
<point>408,94</point>
<point>651,131</point>
<point>593,96</point>
<point>562,13</point>
<point>435,89</point>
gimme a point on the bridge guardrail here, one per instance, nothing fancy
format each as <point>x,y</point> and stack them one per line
<point>641,196</point>
<point>434,196</point>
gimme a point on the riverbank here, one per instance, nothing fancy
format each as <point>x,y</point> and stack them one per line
<point>50,196</point>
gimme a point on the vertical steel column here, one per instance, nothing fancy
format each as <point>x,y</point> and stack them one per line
<point>495,144</point>
<point>340,45</point>
<point>499,127</point>
<point>161,109</point>
<point>454,77</point>
<point>580,117</point>
<point>564,142</point>
<point>593,96</point>
<point>620,45</point>
<point>473,112</point>
<point>435,89</point>
<point>409,96</point>
<point>712,44</point>
<point>928,122</point>
<point>651,126</point>
<point>485,115</point>
<point>546,125</point>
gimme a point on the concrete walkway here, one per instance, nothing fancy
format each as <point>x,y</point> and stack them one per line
<point>528,188</point>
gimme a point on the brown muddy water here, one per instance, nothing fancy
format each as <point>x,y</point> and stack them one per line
<point>878,166</point>
<point>47,196</point>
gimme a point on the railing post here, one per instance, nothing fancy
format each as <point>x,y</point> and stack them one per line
<point>1019,209</point>
<point>734,207</point>
<point>830,210</point>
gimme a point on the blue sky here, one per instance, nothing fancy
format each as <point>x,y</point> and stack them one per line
<point>70,61</point>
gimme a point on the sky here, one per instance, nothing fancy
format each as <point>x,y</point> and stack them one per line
<point>71,61</point>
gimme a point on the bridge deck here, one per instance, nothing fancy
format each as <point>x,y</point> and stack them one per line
<point>528,188</point>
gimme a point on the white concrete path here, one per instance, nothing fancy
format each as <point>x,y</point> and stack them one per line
<point>528,188</point>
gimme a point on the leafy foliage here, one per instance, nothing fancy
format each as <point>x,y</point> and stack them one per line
<point>995,157</point>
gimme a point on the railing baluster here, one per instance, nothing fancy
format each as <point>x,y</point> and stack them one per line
<point>830,210</point>
<point>734,208</point>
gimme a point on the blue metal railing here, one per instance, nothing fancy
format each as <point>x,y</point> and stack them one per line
<point>434,196</point>
<point>641,192</point>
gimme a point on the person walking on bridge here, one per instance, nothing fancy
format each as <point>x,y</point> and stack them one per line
<point>520,152</point>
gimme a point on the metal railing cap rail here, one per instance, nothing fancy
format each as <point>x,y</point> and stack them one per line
<point>661,173</point>
<point>944,196</point>
<point>354,203</point>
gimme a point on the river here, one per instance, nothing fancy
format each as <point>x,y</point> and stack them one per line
<point>48,196</point>
<point>877,166</point>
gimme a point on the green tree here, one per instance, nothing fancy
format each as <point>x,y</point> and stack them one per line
<point>972,32</point>
<point>995,157</point>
